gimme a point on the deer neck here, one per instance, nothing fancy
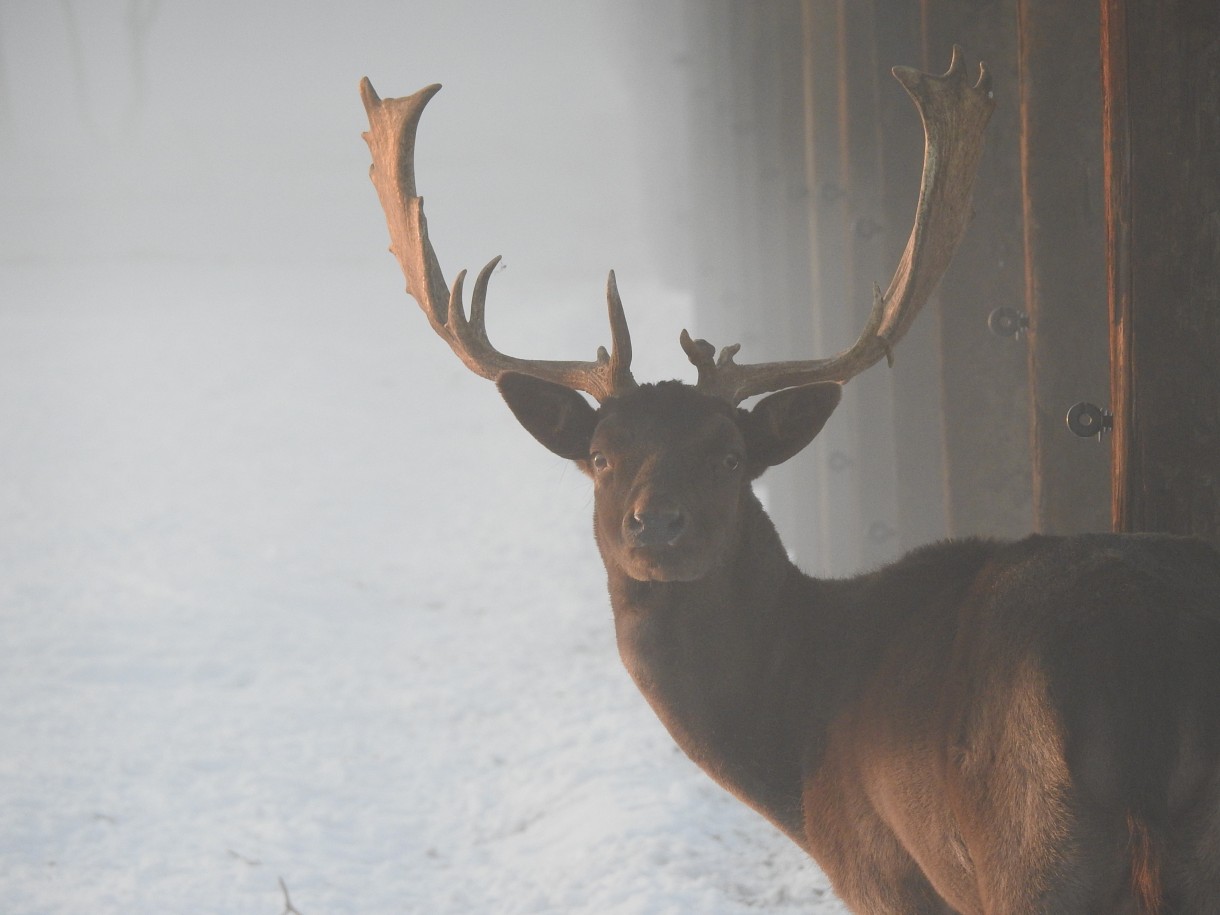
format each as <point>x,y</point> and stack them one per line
<point>709,656</point>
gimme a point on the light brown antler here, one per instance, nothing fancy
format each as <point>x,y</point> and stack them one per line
<point>391,139</point>
<point>954,115</point>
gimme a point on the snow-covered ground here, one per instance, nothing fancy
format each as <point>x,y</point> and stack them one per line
<point>284,590</point>
<point>287,593</point>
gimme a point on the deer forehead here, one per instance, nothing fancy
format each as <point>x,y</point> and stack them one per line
<point>662,419</point>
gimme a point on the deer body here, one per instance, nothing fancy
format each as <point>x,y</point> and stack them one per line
<point>980,727</point>
<point>903,726</point>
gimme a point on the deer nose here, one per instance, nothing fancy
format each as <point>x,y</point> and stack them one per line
<point>655,525</point>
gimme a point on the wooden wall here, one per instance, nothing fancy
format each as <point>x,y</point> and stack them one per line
<point>1161,61</point>
<point>1096,216</point>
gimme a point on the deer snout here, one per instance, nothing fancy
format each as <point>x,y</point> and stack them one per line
<point>655,523</point>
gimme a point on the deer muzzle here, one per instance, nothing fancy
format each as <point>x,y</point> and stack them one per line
<point>655,523</point>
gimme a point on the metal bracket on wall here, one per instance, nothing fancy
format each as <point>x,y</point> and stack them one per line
<point>1089,420</point>
<point>1008,322</point>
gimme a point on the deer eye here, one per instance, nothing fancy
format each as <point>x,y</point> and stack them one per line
<point>599,461</point>
<point>732,460</point>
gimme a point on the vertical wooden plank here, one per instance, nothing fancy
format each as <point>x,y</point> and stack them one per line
<point>882,455</point>
<point>1065,289</point>
<point>717,220</point>
<point>917,419</point>
<point>985,379</point>
<point>652,47</point>
<point>1161,125</point>
<point>866,264</point>
<point>772,319</point>
<point>796,502</point>
<point>752,278</point>
<point>834,450</point>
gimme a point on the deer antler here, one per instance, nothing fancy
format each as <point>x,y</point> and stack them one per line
<point>954,116</point>
<point>391,139</point>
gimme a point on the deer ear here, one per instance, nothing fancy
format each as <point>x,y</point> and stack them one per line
<point>781,425</point>
<point>558,417</point>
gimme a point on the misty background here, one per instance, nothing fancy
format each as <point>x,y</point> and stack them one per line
<point>230,131</point>
<point>285,592</point>
<point>571,138</point>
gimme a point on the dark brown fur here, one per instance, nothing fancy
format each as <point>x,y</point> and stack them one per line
<point>980,727</point>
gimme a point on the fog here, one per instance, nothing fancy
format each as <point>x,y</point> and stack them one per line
<point>231,131</point>
<point>285,593</point>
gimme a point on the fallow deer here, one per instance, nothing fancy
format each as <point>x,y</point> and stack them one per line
<point>980,727</point>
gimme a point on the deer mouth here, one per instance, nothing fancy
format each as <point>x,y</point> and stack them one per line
<point>664,562</point>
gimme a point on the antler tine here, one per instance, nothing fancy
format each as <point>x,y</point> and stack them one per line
<point>393,123</point>
<point>954,115</point>
<point>618,361</point>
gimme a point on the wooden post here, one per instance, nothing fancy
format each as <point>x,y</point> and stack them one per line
<point>918,420</point>
<point>834,450</point>
<point>865,264</point>
<point>753,283</point>
<point>1161,125</point>
<point>1065,277</point>
<point>782,314</point>
<point>985,384</point>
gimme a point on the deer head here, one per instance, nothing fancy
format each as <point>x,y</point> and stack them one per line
<point>672,463</point>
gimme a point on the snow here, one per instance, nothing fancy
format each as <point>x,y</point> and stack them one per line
<point>285,593</point>
<point>288,594</point>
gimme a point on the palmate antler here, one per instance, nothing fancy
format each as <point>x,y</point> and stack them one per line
<point>391,139</point>
<point>954,115</point>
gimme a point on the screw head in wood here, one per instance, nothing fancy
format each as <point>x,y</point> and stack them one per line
<point>1089,420</point>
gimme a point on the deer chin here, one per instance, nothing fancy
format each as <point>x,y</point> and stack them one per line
<point>664,564</point>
